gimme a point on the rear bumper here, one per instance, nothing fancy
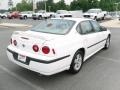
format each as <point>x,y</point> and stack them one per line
<point>34,17</point>
<point>21,17</point>
<point>88,16</point>
<point>41,66</point>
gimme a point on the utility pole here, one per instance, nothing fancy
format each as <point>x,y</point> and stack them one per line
<point>10,4</point>
<point>45,5</point>
<point>34,5</point>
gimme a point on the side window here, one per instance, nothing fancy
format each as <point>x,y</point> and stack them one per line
<point>96,26</point>
<point>86,27</point>
<point>78,29</point>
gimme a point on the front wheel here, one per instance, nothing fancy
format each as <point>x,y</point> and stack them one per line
<point>95,18</point>
<point>39,17</point>
<point>25,17</point>
<point>76,62</point>
<point>103,18</point>
<point>107,44</point>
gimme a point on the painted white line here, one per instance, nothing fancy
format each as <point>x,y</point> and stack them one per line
<point>4,27</point>
<point>20,78</point>
<point>109,59</point>
<point>15,25</point>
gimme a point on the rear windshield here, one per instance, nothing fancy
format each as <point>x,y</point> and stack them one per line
<point>54,26</point>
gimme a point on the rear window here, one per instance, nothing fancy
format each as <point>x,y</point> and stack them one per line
<point>54,26</point>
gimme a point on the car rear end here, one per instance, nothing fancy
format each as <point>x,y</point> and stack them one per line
<point>40,48</point>
<point>34,16</point>
<point>32,51</point>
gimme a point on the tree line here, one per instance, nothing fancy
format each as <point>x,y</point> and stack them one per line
<point>108,5</point>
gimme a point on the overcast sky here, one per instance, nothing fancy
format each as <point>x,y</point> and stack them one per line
<point>4,3</point>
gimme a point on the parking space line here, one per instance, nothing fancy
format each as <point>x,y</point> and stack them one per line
<point>4,27</point>
<point>109,59</point>
<point>20,78</point>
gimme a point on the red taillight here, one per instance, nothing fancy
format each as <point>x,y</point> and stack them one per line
<point>45,49</point>
<point>15,42</point>
<point>11,40</point>
<point>35,48</point>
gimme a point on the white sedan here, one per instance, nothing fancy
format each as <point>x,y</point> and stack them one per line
<point>58,44</point>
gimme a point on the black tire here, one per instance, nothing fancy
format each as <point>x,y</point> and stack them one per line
<point>39,17</point>
<point>103,18</point>
<point>12,17</point>
<point>73,67</point>
<point>25,17</point>
<point>95,18</point>
<point>107,44</point>
<point>3,17</point>
<point>34,18</point>
<point>21,18</point>
<point>51,16</point>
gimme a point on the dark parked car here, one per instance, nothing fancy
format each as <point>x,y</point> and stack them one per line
<point>13,15</point>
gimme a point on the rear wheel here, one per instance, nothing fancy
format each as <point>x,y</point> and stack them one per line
<point>3,17</point>
<point>95,18</point>
<point>12,17</point>
<point>107,44</point>
<point>39,17</point>
<point>51,16</point>
<point>103,18</point>
<point>25,17</point>
<point>76,62</point>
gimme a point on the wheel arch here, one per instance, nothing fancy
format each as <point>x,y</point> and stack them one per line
<point>82,50</point>
<point>109,35</point>
<point>25,15</point>
<point>39,15</point>
<point>71,65</point>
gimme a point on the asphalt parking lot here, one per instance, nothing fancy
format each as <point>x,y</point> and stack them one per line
<point>100,72</point>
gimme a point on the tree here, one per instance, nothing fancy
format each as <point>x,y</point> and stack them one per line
<point>74,5</point>
<point>93,3</point>
<point>61,5</point>
<point>84,4</point>
<point>41,5</point>
<point>50,5</point>
<point>25,5</point>
<point>107,5</point>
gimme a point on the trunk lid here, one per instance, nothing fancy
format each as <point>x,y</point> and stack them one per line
<point>26,40</point>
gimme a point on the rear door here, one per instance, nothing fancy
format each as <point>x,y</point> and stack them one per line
<point>89,37</point>
<point>101,35</point>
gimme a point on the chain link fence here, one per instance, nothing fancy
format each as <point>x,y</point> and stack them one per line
<point>114,14</point>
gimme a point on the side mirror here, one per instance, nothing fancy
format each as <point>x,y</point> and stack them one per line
<point>103,28</point>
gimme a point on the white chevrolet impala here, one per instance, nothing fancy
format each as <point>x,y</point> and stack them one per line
<point>58,44</point>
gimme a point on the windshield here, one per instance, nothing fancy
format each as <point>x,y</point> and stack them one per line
<point>93,11</point>
<point>54,26</point>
